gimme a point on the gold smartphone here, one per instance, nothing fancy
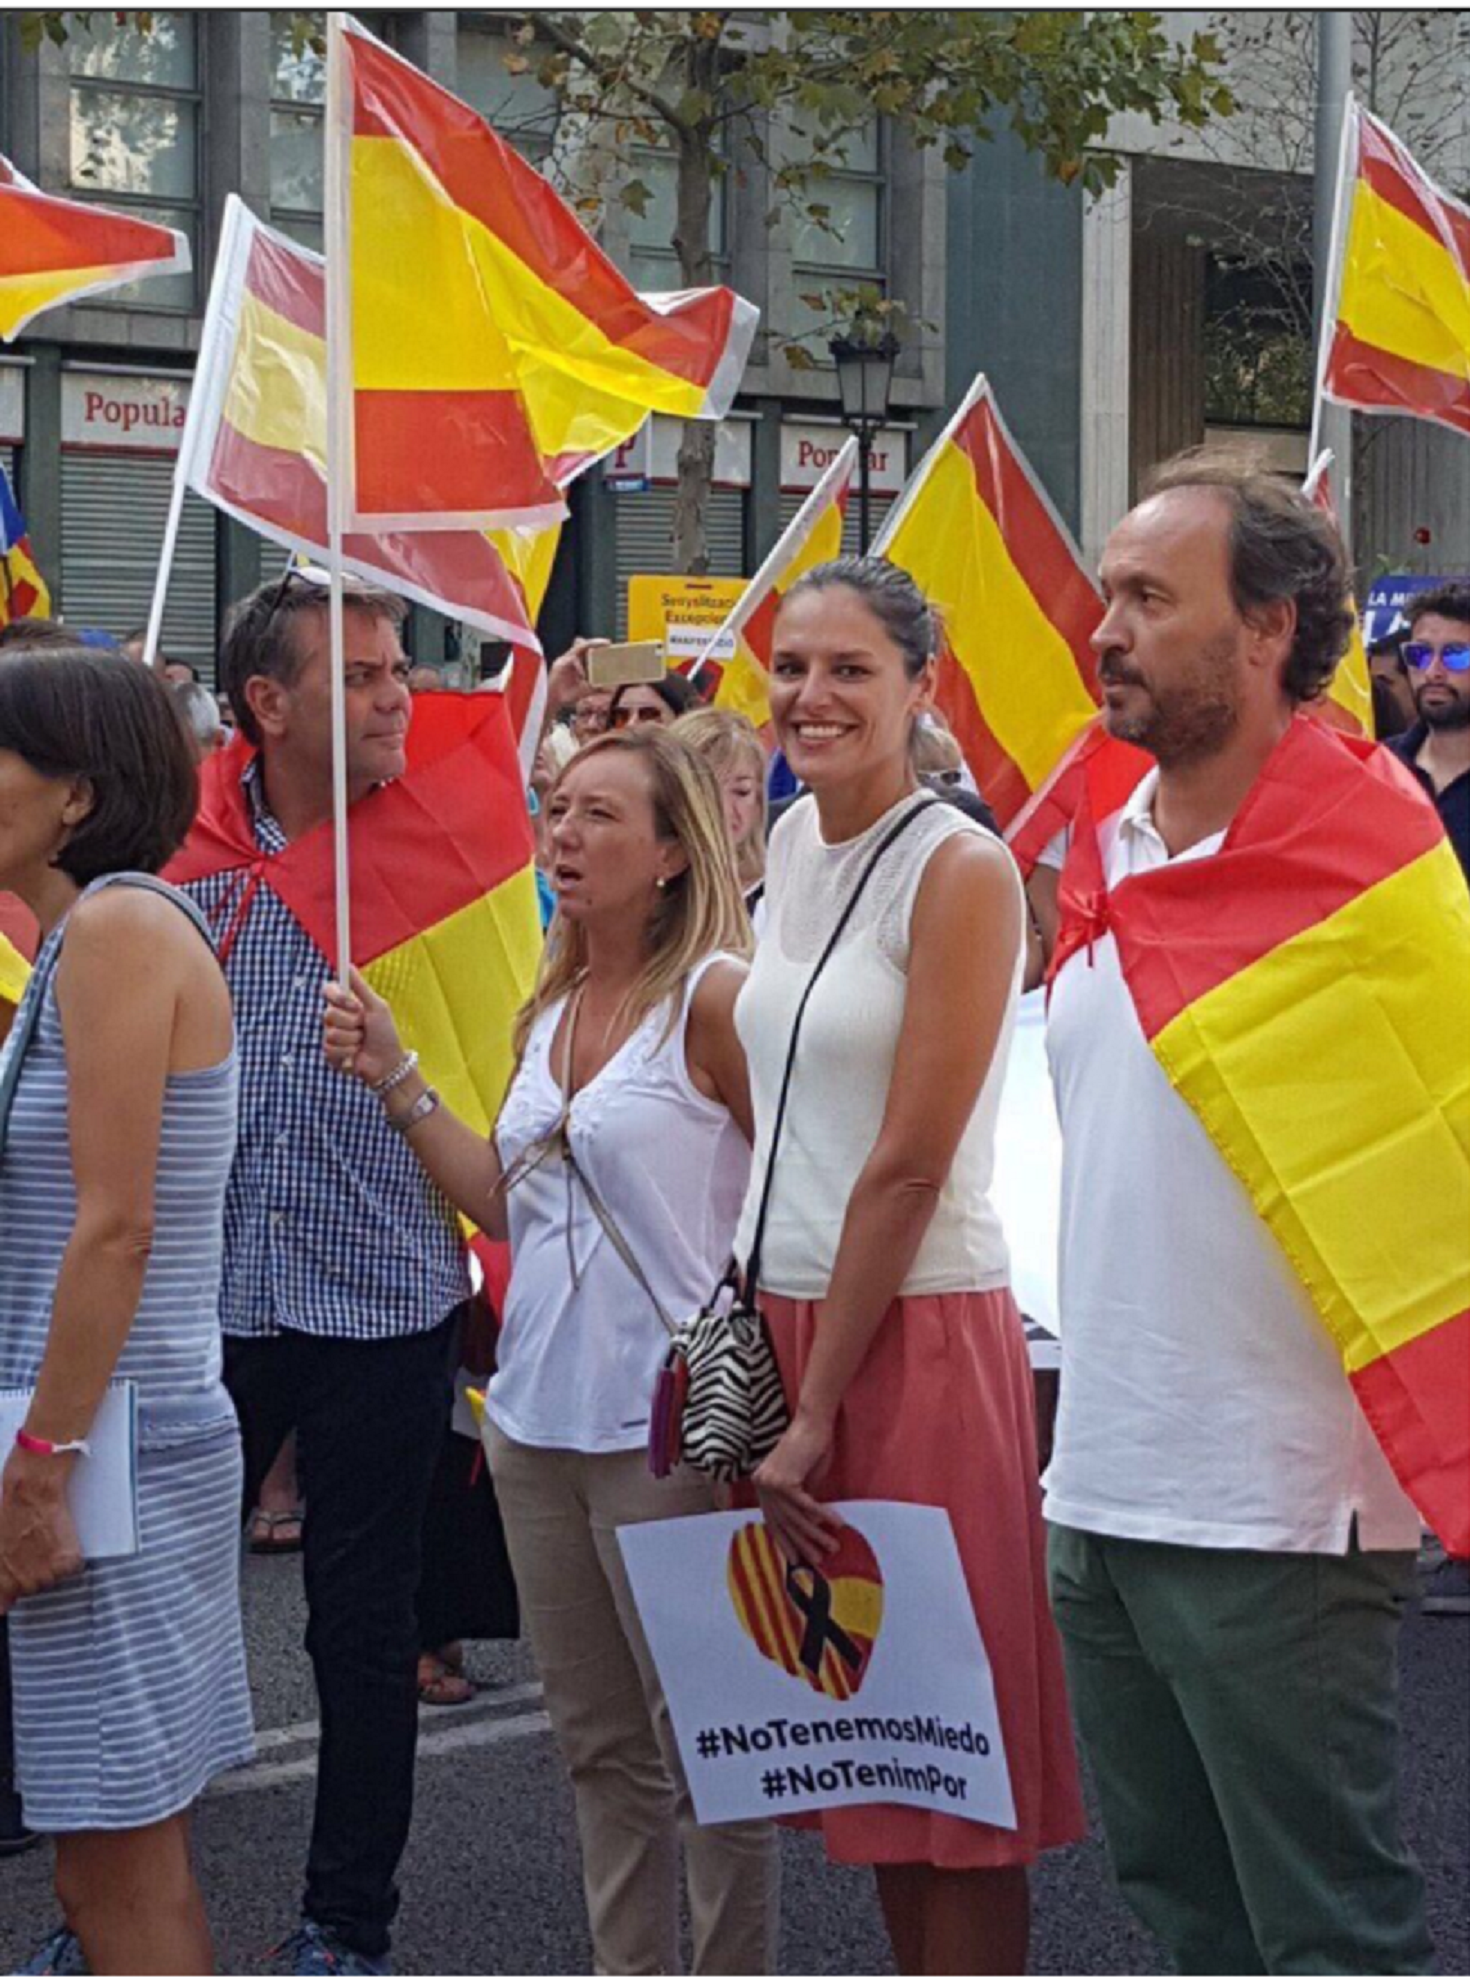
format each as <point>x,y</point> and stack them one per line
<point>638,664</point>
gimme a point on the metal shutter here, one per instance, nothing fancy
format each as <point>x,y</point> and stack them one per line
<point>645,524</point>
<point>878,507</point>
<point>113,510</point>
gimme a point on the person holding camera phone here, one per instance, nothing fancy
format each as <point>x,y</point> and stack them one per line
<point>616,1170</point>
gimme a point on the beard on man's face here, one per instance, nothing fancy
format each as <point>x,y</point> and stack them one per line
<point>1443,706</point>
<point>1189,719</point>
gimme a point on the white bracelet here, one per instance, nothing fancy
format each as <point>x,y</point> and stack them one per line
<point>407,1064</point>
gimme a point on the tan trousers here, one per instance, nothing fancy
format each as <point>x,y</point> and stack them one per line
<point>561,1511</point>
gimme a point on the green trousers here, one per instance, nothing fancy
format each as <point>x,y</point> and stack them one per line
<point>1240,1713</point>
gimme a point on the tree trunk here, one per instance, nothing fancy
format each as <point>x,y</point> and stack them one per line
<point>695,192</point>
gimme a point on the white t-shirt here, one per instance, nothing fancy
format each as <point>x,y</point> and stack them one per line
<point>1202,1400</point>
<point>845,1056</point>
<point>580,1347</point>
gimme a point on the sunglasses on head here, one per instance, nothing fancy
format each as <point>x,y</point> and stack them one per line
<point>1454,658</point>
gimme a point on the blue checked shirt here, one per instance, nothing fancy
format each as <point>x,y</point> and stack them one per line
<point>331,1225</point>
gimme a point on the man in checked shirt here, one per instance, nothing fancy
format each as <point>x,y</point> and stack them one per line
<point>343,1266</point>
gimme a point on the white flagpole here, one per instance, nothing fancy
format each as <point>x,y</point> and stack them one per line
<point>339,458</point>
<point>1332,283</point>
<point>200,419</point>
<point>788,546</point>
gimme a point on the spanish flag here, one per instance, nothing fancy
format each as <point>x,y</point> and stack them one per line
<point>17,948</point>
<point>1400,340</point>
<point>1304,992</point>
<point>812,536</point>
<point>976,532</point>
<point>62,250</point>
<point>444,917</point>
<point>23,590</point>
<point>1348,702</point>
<point>256,441</point>
<point>492,339</point>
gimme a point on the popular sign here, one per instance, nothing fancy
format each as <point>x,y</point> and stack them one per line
<point>807,451</point>
<point>130,414</point>
<point>791,1689</point>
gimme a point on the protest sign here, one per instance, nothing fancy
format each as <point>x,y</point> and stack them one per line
<point>866,1683</point>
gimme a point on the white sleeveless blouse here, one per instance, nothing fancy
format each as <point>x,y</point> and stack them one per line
<point>581,1343</point>
<point>845,1057</point>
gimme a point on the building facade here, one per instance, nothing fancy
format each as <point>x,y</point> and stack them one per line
<point>167,124</point>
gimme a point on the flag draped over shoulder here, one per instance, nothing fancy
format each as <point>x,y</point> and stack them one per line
<point>56,250</point>
<point>444,919</point>
<point>812,536</point>
<point>492,339</point>
<point>23,590</point>
<point>1017,678</point>
<point>1400,298</point>
<point>1303,991</point>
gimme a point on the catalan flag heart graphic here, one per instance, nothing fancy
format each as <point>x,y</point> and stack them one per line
<point>819,1627</point>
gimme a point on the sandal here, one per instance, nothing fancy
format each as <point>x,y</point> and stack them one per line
<point>274,1533</point>
<point>441,1684</point>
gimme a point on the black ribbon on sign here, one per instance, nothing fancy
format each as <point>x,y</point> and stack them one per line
<point>811,1595</point>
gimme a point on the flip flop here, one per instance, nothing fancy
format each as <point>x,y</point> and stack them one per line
<point>440,1685</point>
<point>274,1533</point>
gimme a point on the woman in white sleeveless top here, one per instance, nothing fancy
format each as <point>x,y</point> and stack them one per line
<point>883,1271</point>
<point>628,1045</point>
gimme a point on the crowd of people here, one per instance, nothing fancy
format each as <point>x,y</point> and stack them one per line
<point>223,1179</point>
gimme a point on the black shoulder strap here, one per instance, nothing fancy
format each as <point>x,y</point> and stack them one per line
<point>890,837</point>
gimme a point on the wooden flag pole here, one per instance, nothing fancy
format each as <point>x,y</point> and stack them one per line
<point>339,461</point>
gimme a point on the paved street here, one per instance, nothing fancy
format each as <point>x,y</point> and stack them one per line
<point>490,1877</point>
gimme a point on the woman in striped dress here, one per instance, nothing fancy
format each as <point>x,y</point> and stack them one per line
<point>117,1130</point>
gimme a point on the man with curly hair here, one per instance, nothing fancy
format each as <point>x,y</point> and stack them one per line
<point>1437,747</point>
<point>1229,1547</point>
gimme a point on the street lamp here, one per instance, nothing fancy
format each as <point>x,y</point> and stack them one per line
<point>864,378</point>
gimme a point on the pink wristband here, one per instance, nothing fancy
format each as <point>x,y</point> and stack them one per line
<point>36,1445</point>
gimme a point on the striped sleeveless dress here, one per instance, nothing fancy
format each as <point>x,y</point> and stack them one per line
<point>130,1688</point>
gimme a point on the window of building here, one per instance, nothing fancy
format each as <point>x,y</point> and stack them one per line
<point>1257,342</point>
<point>844,246</point>
<point>522,109</point>
<point>298,93</point>
<point>655,260</point>
<point>135,132</point>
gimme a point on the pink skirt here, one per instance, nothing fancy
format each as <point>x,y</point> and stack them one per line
<point>942,1412</point>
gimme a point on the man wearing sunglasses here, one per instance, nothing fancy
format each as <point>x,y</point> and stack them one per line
<point>1437,747</point>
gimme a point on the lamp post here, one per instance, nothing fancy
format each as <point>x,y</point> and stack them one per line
<point>864,377</point>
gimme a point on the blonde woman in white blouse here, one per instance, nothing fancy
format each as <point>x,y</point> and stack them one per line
<point>626,1052</point>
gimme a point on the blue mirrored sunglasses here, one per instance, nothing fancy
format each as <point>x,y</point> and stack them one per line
<point>1454,658</point>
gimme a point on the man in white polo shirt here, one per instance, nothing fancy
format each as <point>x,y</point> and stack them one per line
<point>1230,1549</point>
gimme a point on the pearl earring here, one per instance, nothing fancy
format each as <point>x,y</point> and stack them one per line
<point>661,883</point>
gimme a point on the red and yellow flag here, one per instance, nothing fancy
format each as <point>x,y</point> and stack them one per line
<point>60,250</point>
<point>1303,991</point>
<point>23,590</point>
<point>1348,702</point>
<point>976,532</point>
<point>17,948</point>
<point>812,536</point>
<point>255,446</point>
<point>1401,323</point>
<point>444,918</point>
<point>492,339</point>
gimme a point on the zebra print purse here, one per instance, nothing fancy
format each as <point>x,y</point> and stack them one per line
<point>719,1404</point>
